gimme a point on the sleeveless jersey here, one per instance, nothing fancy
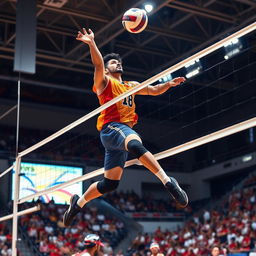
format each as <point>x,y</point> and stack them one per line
<point>122,111</point>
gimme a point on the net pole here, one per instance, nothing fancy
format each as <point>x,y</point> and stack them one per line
<point>18,118</point>
<point>15,207</point>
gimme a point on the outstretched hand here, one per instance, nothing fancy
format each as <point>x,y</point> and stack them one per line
<point>176,81</point>
<point>85,37</point>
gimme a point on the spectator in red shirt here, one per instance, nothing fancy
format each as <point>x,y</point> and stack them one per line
<point>245,247</point>
<point>233,246</point>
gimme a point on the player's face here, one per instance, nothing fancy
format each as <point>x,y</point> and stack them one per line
<point>154,250</point>
<point>215,251</point>
<point>115,66</point>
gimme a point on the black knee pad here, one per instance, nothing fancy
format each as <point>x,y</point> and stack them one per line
<point>107,185</point>
<point>136,148</point>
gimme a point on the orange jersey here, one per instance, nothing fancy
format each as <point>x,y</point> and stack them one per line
<point>122,111</point>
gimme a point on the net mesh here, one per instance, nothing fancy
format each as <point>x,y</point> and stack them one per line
<point>221,94</point>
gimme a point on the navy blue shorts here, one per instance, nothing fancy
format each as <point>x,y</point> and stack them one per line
<point>112,137</point>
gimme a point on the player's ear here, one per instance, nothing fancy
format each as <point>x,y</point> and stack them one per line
<point>106,71</point>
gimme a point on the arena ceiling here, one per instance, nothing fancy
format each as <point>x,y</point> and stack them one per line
<point>176,29</point>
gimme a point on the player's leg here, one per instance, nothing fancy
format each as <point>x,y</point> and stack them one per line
<point>107,184</point>
<point>133,144</point>
<point>114,163</point>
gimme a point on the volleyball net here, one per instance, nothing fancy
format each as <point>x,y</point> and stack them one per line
<point>186,117</point>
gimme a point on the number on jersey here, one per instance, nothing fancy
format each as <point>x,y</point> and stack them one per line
<point>128,101</point>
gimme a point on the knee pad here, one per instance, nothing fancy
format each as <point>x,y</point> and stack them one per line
<point>107,185</point>
<point>136,148</point>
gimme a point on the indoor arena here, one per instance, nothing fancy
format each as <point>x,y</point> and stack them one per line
<point>127,128</point>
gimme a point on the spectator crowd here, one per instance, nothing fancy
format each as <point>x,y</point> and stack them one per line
<point>46,231</point>
<point>232,226</point>
<point>5,240</point>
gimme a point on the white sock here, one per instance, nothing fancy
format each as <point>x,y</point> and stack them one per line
<point>162,176</point>
<point>81,202</point>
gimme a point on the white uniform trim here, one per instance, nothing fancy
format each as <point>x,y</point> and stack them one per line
<point>117,129</point>
<point>82,254</point>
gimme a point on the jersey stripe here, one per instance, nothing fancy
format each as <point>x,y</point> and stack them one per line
<point>111,113</point>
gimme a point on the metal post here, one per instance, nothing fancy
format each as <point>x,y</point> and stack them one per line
<point>17,180</point>
<point>15,207</point>
<point>18,118</point>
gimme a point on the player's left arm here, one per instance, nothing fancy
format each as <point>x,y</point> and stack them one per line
<point>161,88</point>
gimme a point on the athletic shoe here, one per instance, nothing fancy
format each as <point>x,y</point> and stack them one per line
<point>72,211</point>
<point>178,194</point>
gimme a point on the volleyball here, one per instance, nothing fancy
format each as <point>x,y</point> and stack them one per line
<point>135,20</point>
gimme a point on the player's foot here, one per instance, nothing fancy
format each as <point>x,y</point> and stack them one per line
<point>72,211</point>
<point>177,193</point>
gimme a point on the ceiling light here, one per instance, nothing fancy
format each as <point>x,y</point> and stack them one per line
<point>148,7</point>
<point>192,73</point>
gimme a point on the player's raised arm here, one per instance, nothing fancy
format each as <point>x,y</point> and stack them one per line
<point>100,79</point>
<point>161,88</point>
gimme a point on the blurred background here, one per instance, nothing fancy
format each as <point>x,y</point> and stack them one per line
<point>220,91</point>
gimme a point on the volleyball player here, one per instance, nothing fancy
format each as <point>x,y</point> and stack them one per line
<point>115,125</point>
<point>155,250</point>
<point>215,251</point>
<point>92,246</point>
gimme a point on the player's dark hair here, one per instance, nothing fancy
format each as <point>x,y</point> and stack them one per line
<point>111,56</point>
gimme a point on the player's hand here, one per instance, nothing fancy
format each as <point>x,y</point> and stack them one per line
<point>176,81</point>
<point>85,37</point>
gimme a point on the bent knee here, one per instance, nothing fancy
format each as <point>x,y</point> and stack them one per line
<point>136,148</point>
<point>107,185</point>
<point>131,137</point>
